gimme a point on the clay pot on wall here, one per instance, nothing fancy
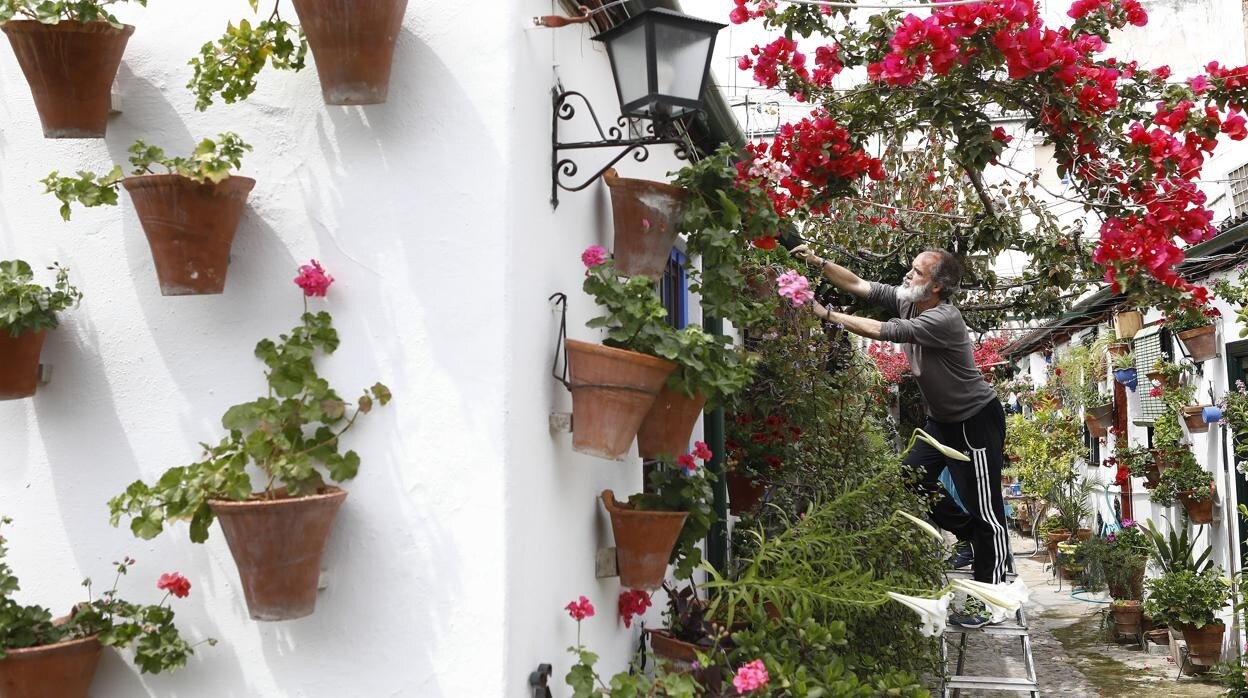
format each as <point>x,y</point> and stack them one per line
<point>612,391</point>
<point>1200,511</point>
<point>1119,348</point>
<point>63,670</point>
<point>19,364</point>
<point>1101,416</point>
<point>1201,343</point>
<point>190,227</point>
<point>743,492</point>
<point>665,645</point>
<point>353,46</point>
<point>1194,416</point>
<point>1204,645</point>
<point>277,545</point>
<point>1127,323</point>
<point>644,541</point>
<point>669,424</point>
<point>646,215</point>
<point>70,67</point>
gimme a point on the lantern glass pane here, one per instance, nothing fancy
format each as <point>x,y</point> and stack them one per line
<point>681,60</point>
<point>628,59</point>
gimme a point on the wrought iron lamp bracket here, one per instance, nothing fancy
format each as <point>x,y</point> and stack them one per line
<point>563,171</point>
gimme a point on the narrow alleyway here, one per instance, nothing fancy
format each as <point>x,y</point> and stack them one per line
<point>1072,656</point>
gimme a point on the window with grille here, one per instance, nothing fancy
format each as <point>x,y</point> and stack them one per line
<point>1146,347</point>
<point>1239,190</point>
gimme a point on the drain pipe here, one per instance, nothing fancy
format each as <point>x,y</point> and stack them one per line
<point>1229,513</point>
<point>713,432</point>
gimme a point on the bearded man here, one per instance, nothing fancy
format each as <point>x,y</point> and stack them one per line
<point>963,411</point>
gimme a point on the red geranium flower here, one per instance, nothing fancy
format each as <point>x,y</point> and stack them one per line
<point>580,609</point>
<point>175,584</point>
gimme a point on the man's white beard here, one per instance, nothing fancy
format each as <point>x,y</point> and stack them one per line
<point>913,294</point>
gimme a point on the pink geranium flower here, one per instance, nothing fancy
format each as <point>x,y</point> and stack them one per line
<point>795,287</point>
<point>580,609</point>
<point>175,584</point>
<point>313,279</point>
<point>701,451</point>
<point>750,677</point>
<point>593,256</point>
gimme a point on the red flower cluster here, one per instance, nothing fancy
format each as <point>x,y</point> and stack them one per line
<point>632,602</point>
<point>766,440</point>
<point>988,352</point>
<point>892,363</point>
<point>580,609</point>
<point>768,62</point>
<point>175,584</point>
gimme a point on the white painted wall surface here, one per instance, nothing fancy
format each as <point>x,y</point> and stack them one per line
<point>470,524</point>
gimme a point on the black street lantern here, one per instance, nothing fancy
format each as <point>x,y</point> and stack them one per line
<point>661,60</point>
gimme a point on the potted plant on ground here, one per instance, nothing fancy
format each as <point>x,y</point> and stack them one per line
<point>69,51</point>
<point>1194,326</point>
<point>1123,565</point>
<point>277,533</point>
<point>189,212</point>
<point>1191,601</point>
<point>353,44</point>
<point>663,524</point>
<point>1124,369</point>
<point>1071,499</point>
<point>45,656</point>
<point>27,312</point>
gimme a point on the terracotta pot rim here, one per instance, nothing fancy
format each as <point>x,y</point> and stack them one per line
<point>626,354</point>
<point>615,507</point>
<point>330,493</point>
<point>1207,626</point>
<point>20,651</point>
<point>1195,331</point>
<point>33,26</point>
<point>613,180</point>
<point>142,181</point>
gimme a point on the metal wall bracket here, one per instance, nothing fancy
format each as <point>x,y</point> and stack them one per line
<point>45,374</point>
<point>561,422</point>
<point>604,563</point>
<point>538,681</point>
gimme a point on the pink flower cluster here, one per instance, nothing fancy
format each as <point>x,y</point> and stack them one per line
<point>313,279</point>
<point>175,584</point>
<point>593,256</point>
<point>795,287</point>
<point>580,609</point>
<point>750,677</point>
<point>632,602</point>
<point>782,54</point>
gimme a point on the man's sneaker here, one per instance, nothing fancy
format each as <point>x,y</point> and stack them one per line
<point>970,620</point>
<point>962,557</point>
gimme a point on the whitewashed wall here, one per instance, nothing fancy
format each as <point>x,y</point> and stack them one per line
<point>470,525</point>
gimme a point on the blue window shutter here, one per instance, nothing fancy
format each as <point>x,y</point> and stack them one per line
<point>674,289</point>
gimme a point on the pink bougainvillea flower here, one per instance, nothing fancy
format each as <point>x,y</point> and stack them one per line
<point>580,609</point>
<point>687,463</point>
<point>701,450</point>
<point>175,584</point>
<point>593,256</point>
<point>1199,84</point>
<point>795,287</point>
<point>313,279</point>
<point>632,602</point>
<point>750,677</point>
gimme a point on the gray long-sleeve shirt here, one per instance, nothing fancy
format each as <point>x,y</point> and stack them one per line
<point>938,346</point>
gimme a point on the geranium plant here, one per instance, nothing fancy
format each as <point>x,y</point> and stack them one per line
<point>54,11</point>
<point>1190,316</point>
<point>1183,475</point>
<point>115,622</point>
<point>682,486</point>
<point>1186,598</point>
<point>292,435</point>
<point>211,161</point>
<point>30,307</point>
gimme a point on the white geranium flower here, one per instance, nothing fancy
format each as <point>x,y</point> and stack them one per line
<point>931,530</point>
<point>932,612</point>
<point>1002,600</point>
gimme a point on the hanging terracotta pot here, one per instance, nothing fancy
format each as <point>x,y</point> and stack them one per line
<point>1163,379</point>
<point>19,364</point>
<point>353,45</point>
<point>1201,343</point>
<point>644,541</point>
<point>1127,616</point>
<point>63,670</point>
<point>612,390</point>
<point>1102,415</point>
<point>1194,417</point>
<point>665,645</point>
<point>189,226</point>
<point>669,424</point>
<point>1204,645</point>
<point>647,217</point>
<point>277,545</point>
<point>1200,511</point>
<point>1119,348</point>
<point>1127,323</point>
<point>744,493</point>
<point>70,67</point>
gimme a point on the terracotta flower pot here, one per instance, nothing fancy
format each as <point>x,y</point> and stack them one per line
<point>63,670</point>
<point>1127,617</point>
<point>19,364</point>
<point>669,424</point>
<point>612,390</point>
<point>647,216</point>
<point>1200,511</point>
<point>1204,644</point>
<point>1127,323</point>
<point>1101,415</point>
<point>277,545</point>
<point>70,67</point>
<point>1165,381</point>
<point>1201,343</point>
<point>668,647</point>
<point>1052,538</point>
<point>353,45</point>
<point>643,541</point>
<point>189,226</point>
<point>1120,348</point>
<point>743,492</point>
<point>1194,416</point>
<point>1132,589</point>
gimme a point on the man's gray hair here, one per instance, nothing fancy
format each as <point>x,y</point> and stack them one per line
<point>947,271</point>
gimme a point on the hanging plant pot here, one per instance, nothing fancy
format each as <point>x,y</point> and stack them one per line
<point>189,226</point>
<point>644,541</point>
<point>1127,616</point>
<point>1119,348</point>
<point>1102,415</point>
<point>1201,343</point>
<point>647,216</point>
<point>1164,380</point>
<point>63,670</point>
<point>277,545</point>
<point>1204,644</point>
<point>353,45</point>
<point>19,364</point>
<point>669,424</point>
<point>1194,417</point>
<point>665,645</point>
<point>612,390</point>
<point>1200,511</point>
<point>744,493</point>
<point>1126,376</point>
<point>1127,323</point>
<point>70,67</point>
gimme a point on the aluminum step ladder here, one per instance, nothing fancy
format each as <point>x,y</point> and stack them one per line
<point>955,682</point>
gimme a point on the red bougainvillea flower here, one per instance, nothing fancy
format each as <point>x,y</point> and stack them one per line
<point>750,677</point>
<point>593,256</point>
<point>580,609</point>
<point>313,279</point>
<point>175,584</point>
<point>633,602</point>
<point>701,451</point>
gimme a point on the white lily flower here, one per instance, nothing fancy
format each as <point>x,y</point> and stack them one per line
<point>944,450</point>
<point>1002,600</point>
<point>932,612</point>
<point>931,530</point>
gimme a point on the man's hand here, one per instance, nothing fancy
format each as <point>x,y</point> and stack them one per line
<point>805,252</point>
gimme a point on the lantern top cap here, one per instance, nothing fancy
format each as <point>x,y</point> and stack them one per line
<point>663,15</point>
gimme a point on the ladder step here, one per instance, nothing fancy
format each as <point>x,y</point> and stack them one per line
<point>991,683</point>
<point>1008,627</point>
<point>970,574</point>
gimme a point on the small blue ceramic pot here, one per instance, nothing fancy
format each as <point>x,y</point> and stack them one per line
<point>1211,414</point>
